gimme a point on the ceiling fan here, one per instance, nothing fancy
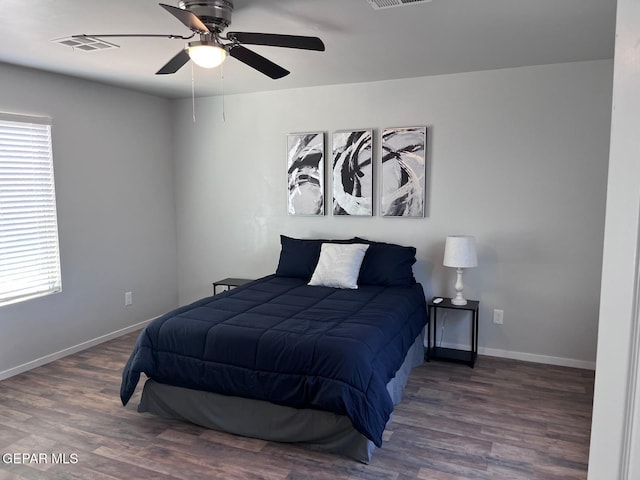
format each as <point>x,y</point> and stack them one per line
<point>208,19</point>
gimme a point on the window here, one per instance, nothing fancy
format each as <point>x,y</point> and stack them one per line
<point>29,251</point>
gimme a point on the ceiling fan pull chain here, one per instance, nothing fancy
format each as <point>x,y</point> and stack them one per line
<point>224,118</point>
<point>193,95</point>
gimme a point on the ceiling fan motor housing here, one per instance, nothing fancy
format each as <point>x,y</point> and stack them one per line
<point>215,14</point>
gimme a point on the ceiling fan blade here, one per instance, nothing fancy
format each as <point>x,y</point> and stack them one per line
<point>175,64</point>
<point>137,35</point>
<point>277,40</point>
<point>258,62</point>
<point>186,17</point>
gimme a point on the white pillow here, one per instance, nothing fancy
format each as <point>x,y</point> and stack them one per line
<point>339,265</point>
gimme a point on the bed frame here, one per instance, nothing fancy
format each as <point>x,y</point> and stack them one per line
<point>315,429</point>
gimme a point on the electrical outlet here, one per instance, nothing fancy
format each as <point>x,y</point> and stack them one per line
<point>128,299</point>
<point>498,316</point>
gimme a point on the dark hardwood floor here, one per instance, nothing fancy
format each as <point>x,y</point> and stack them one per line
<point>504,419</point>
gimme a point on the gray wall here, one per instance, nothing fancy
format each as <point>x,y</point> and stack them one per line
<point>116,215</point>
<point>517,157</point>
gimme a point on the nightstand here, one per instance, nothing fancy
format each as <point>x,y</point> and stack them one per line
<point>230,282</point>
<point>452,354</point>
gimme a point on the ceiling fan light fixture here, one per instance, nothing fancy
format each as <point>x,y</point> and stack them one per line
<point>206,54</point>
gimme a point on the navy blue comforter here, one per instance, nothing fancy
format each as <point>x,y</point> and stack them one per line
<point>279,340</point>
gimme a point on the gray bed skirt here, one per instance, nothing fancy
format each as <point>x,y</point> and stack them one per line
<point>315,429</point>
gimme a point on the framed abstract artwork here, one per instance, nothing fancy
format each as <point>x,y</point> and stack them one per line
<point>352,172</point>
<point>305,173</point>
<point>403,172</point>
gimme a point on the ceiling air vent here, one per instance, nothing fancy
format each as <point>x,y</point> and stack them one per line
<point>382,4</point>
<point>88,44</point>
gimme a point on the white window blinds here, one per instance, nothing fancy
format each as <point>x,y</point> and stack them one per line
<point>29,251</point>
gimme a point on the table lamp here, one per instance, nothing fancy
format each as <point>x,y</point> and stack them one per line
<point>460,253</point>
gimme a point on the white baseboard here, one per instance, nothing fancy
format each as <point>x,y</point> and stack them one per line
<point>492,352</point>
<point>70,351</point>
<point>529,357</point>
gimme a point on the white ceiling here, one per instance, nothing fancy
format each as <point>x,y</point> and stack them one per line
<point>362,44</point>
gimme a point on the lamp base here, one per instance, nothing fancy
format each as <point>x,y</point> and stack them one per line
<point>458,300</point>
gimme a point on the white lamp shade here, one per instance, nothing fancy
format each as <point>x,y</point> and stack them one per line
<point>206,55</point>
<point>460,252</point>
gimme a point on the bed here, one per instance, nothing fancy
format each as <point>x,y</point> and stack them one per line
<point>285,359</point>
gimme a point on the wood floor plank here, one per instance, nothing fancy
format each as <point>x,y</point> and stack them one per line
<point>504,419</point>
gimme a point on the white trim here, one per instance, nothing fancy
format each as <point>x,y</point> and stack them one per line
<point>529,357</point>
<point>70,351</point>
<point>627,464</point>
<point>491,352</point>
<point>18,117</point>
<point>630,463</point>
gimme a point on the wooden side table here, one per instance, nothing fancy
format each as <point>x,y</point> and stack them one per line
<point>453,354</point>
<point>229,283</point>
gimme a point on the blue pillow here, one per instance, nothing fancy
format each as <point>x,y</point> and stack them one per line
<point>387,264</point>
<point>299,257</point>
